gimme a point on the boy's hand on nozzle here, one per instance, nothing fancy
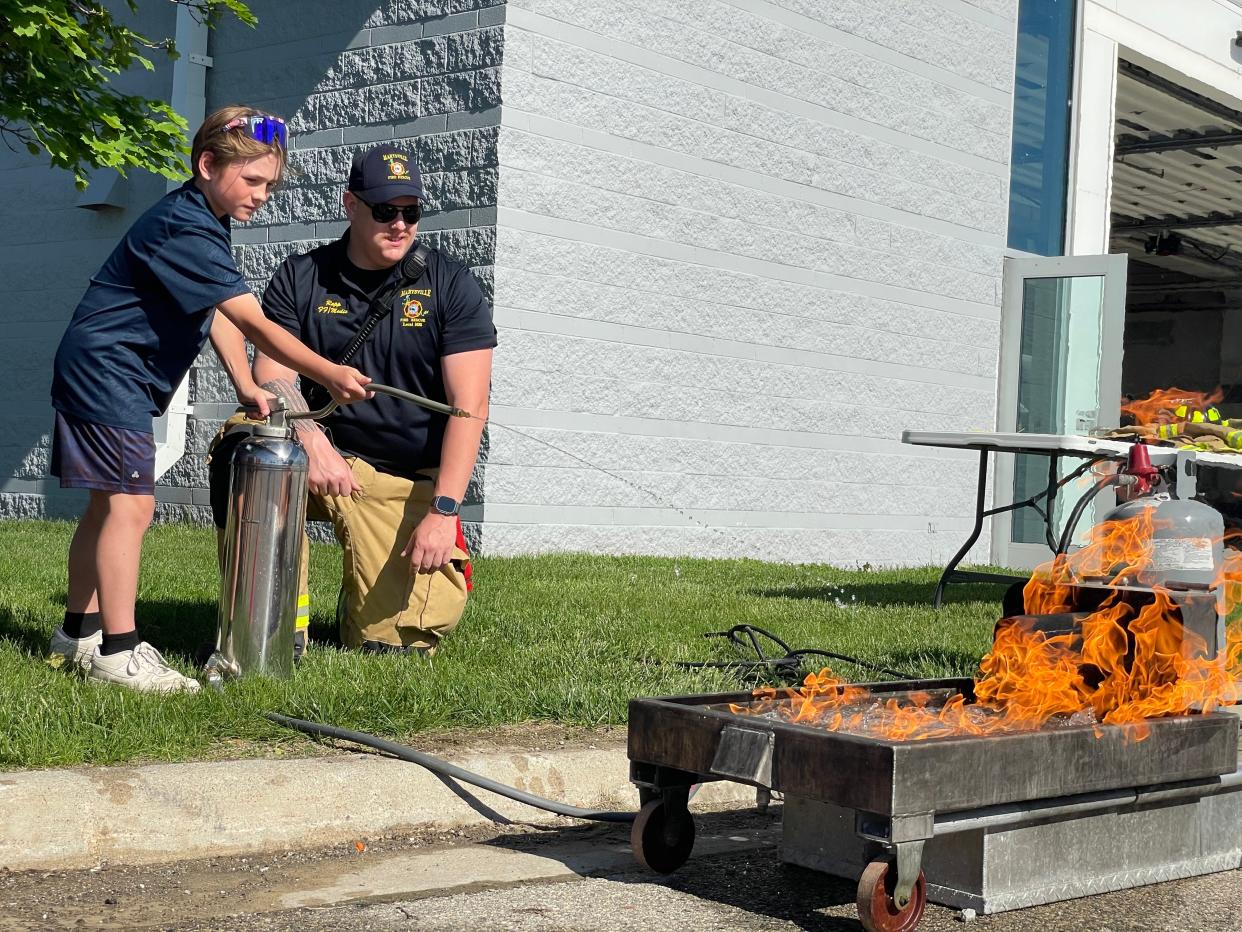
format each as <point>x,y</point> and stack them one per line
<point>346,384</point>
<point>260,399</point>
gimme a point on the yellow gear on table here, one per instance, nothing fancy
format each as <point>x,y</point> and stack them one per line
<point>1168,431</point>
<point>1196,416</point>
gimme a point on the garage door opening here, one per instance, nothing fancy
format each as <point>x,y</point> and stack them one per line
<point>1177,212</point>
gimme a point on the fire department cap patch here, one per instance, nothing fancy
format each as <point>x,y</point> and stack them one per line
<point>383,173</point>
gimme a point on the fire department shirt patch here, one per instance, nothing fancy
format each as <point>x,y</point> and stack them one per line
<point>412,312</point>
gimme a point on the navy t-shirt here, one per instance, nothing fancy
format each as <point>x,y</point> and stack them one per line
<point>146,314</point>
<point>322,298</point>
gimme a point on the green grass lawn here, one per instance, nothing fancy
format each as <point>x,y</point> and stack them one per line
<point>567,638</point>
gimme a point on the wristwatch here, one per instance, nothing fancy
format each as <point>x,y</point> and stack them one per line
<point>443,505</point>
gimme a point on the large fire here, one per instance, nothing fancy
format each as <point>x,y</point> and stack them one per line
<point>1129,660</point>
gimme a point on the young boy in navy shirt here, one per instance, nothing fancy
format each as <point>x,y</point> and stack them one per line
<point>144,319</point>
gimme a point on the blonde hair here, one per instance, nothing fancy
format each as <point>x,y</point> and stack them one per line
<point>237,144</point>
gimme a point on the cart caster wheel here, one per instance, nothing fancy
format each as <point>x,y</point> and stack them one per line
<point>876,909</point>
<point>662,838</point>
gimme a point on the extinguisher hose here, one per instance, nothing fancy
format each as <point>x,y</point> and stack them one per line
<point>445,769</point>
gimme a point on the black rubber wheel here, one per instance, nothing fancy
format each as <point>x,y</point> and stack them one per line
<point>876,909</point>
<point>662,837</point>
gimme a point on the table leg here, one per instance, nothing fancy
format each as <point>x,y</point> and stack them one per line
<point>974,534</point>
<point>1050,502</point>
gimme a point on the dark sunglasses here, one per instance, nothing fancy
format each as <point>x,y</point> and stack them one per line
<point>267,129</point>
<point>387,213</point>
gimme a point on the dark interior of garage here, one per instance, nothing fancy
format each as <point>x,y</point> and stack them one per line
<point>1177,212</point>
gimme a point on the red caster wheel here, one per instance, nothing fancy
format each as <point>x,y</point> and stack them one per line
<point>662,836</point>
<point>877,910</point>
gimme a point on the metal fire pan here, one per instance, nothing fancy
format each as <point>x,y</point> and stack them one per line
<point>698,735</point>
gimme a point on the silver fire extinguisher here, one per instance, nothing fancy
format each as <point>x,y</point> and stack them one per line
<point>262,547</point>
<point>261,554</point>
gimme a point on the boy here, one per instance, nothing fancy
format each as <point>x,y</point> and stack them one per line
<point>135,334</point>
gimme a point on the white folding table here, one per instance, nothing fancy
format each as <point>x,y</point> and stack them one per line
<point>1054,446</point>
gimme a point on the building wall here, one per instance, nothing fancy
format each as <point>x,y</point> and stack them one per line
<point>737,248</point>
<point>740,248</point>
<point>49,248</point>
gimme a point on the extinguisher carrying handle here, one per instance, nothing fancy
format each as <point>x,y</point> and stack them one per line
<point>429,404</point>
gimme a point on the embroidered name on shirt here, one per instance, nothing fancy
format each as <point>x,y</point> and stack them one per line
<point>332,306</point>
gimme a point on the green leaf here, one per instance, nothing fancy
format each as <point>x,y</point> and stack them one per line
<point>57,58</point>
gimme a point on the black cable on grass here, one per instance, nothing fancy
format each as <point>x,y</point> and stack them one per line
<point>788,665</point>
<point>444,768</point>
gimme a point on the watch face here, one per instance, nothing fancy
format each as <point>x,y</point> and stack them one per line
<point>444,505</point>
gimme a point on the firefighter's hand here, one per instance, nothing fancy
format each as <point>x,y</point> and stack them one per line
<point>346,384</point>
<point>431,545</point>
<point>329,474</point>
<point>256,400</point>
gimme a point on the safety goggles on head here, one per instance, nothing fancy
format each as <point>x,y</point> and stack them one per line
<point>267,129</point>
<point>387,213</point>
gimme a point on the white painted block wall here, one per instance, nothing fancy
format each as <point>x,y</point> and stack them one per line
<point>740,246</point>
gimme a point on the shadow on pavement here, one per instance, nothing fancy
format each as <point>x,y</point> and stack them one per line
<point>753,879</point>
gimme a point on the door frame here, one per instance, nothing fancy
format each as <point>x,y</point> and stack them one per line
<point>1112,269</point>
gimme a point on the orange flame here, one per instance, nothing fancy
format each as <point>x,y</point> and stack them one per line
<point>1128,661</point>
<point>1158,407</point>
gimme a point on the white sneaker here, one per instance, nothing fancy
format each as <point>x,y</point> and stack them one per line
<point>142,669</point>
<point>75,652</point>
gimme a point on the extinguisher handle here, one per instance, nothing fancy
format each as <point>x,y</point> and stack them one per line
<point>419,400</point>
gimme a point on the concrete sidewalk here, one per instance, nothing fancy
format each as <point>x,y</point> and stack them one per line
<point>61,819</point>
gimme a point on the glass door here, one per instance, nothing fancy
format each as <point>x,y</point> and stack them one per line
<point>1061,342</point>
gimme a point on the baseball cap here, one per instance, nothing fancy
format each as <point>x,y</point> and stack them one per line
<point>385,172</point>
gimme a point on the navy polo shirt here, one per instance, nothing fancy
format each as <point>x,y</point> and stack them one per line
<point>146,314</point>
<point>322,298</point>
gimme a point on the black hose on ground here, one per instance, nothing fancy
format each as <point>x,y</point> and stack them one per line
<point>444,768</point>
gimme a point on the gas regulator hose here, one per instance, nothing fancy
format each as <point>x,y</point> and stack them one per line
<point>1071,525</point>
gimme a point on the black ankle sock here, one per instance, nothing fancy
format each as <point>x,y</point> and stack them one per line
<point>115,643</point>
<point>82,624</point>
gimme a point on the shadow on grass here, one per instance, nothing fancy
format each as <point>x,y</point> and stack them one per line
<point>23,629</point>
<point>916,594</point>
<point>174,627</point>
<point>324,631</point>
<point>177,627</point>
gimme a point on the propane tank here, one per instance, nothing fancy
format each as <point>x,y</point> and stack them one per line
<point>262,553</point>
<point>1187,540</point>
<point>1187,537</point>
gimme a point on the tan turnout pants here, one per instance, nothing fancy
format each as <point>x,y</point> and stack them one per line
<point>382,599</point>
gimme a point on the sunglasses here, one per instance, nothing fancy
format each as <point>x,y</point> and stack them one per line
<point>267,129</point>
<point>387,213</point>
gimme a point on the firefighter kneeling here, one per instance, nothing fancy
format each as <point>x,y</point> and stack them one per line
<point>392,476</point>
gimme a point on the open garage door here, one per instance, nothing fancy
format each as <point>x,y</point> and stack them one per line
<point>1177,212</point>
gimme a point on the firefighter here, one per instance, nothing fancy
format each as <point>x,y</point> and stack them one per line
<point>388,475</point>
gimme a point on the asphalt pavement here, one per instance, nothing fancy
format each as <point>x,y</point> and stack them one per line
<point>541,878</point>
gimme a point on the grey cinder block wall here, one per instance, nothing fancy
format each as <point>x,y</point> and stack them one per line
<point>734,249</point>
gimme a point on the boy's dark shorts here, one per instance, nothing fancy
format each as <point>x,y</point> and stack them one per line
<point>110,459</point>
